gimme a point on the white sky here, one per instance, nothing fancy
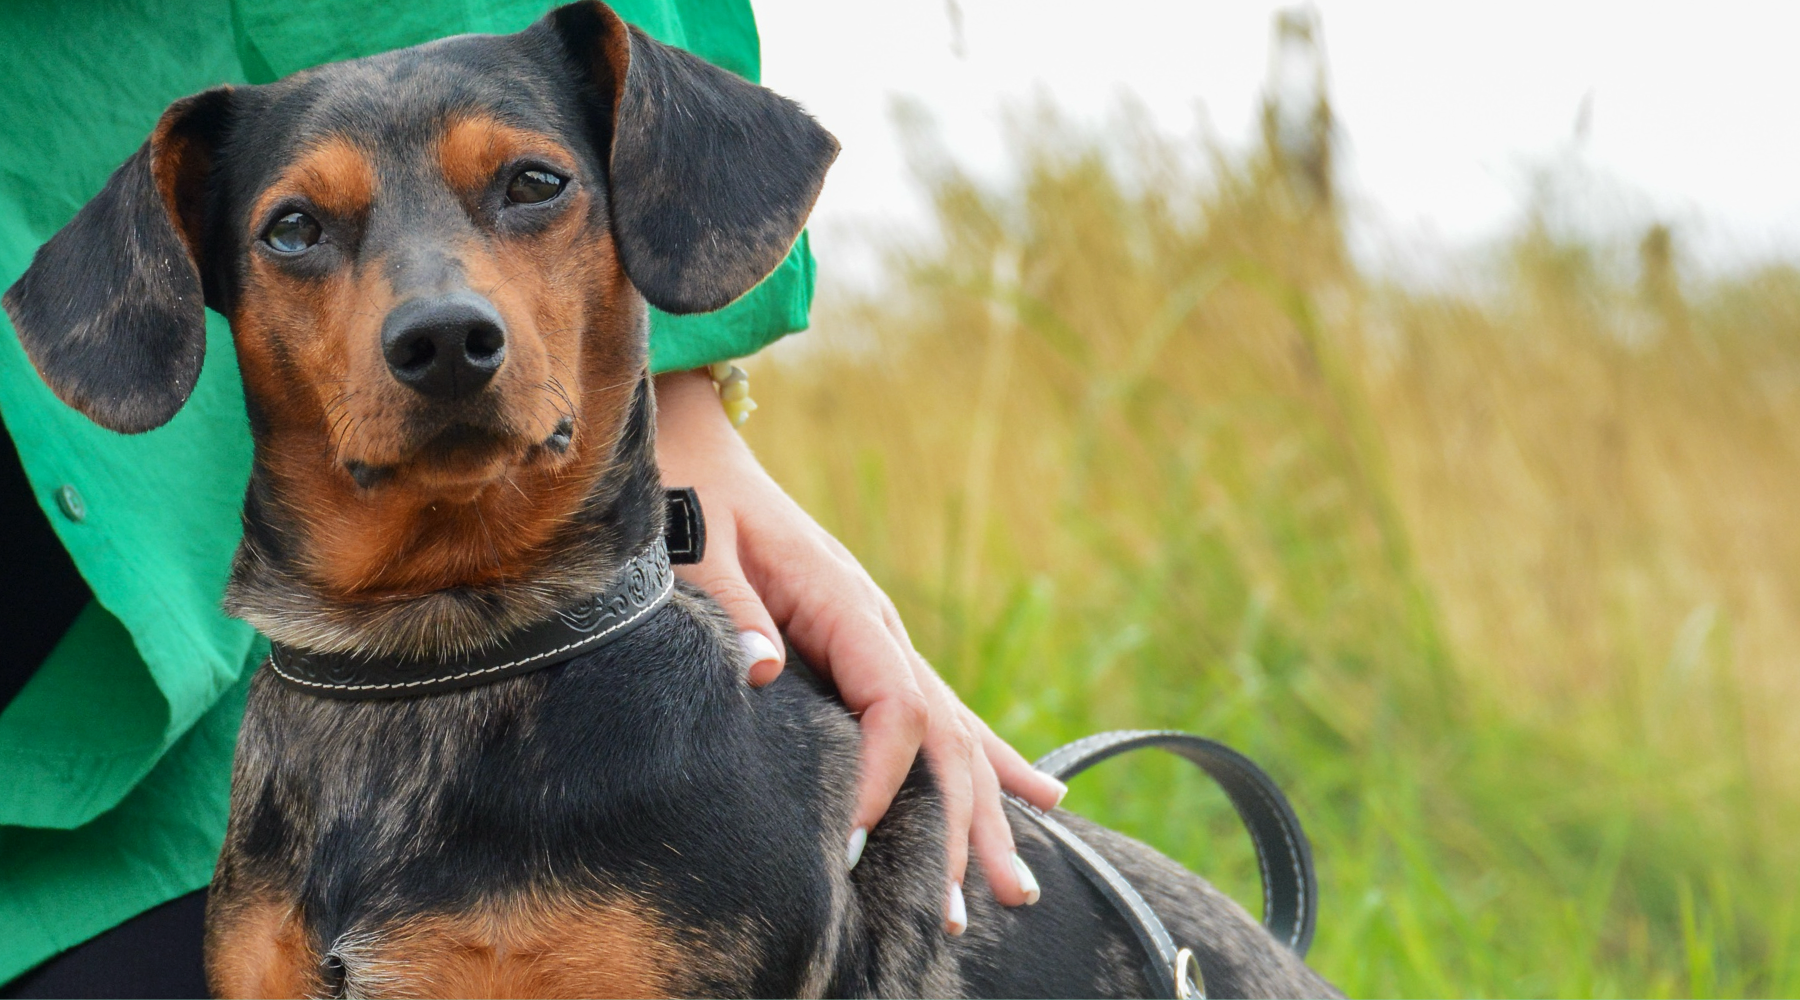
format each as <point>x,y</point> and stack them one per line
<point>1444,105</point>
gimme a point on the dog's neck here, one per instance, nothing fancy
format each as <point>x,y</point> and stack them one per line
<point>617,518</point>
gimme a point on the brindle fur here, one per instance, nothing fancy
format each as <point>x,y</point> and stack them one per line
<point>637,820</point>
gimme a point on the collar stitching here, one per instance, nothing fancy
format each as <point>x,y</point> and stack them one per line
<point>654,604</point>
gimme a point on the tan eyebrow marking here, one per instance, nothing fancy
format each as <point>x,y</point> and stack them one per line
<point>334,175</point>
<point>474,146</point>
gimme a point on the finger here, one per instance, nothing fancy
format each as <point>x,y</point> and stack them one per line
<point>720,575</point>
<point>891,731</point>
<point>837,618</point>
<point>991,841</point>
<point>1016,775</point>
<point>833,625</point>
<point>952,751</point>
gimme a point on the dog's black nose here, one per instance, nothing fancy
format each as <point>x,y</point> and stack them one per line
<point>444,346</point>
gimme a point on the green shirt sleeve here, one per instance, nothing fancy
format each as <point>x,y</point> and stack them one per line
<point>115,756</point>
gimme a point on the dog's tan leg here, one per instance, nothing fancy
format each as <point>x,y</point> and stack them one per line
<point>535,948</point>
<point>259,947</point>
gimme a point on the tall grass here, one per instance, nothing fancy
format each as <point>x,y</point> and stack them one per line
<point>1503,582</point>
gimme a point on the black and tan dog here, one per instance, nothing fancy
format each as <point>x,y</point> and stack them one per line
<point>436,263</point>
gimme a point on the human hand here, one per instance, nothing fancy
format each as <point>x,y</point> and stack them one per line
<point>774,569</point>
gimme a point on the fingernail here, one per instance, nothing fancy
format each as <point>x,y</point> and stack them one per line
<point>758,647</point>
<point>859,838</point>
<point>956,919</point>
<point>1027,881</point>
<point>1062,792</point>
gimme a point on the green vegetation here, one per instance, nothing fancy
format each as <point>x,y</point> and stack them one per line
<point>1502,582</point>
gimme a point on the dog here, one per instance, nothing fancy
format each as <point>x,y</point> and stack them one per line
<point>436,264</point>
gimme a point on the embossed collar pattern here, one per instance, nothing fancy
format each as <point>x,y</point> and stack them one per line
<point>643,585</point>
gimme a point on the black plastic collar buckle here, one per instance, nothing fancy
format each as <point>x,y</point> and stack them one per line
<point>684,526</point>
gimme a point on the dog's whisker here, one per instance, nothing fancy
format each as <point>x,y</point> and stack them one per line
<point>503,282</point>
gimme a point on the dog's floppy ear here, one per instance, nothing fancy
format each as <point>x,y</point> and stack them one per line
<point>111,310</point>
<point>711,177</point>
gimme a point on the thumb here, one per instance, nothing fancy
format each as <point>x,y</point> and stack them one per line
<point>721,576</point>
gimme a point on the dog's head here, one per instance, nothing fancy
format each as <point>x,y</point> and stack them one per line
<point>434,262</point>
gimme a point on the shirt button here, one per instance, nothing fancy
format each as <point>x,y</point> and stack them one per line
<point>69,500</point>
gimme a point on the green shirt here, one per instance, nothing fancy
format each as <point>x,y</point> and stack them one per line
<point>115,758</point>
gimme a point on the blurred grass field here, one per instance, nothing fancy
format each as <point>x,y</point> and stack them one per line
<point>1502,582</point>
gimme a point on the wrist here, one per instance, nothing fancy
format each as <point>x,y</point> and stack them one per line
<point>685,397</point>
<point>693,434</point>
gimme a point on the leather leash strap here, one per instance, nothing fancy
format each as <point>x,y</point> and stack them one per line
<point>1290,887</point>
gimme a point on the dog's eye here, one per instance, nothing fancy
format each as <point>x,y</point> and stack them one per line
<point>292,233</point>
<point>533,186</point>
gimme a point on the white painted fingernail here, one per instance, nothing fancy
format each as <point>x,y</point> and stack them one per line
<point>859,838</point>
<point>956,917</point>
<point>758,647</point>
<point>1027,881</point>
<point>1062,792</point>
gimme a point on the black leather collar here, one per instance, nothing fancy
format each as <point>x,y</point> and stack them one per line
<point>641,586</point>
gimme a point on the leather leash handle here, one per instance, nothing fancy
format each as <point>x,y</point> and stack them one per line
<point>1290,885</point>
